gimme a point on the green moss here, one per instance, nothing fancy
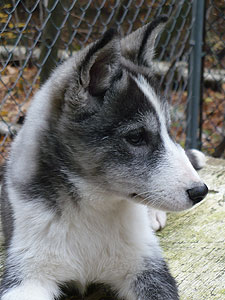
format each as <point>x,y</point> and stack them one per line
<point>193,243</point>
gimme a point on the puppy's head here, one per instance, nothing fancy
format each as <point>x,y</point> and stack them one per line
<point>116,126</point>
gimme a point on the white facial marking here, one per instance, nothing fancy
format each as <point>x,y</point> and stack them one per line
<point>153,98</point>
<point>175,175</point>
<point>151,95</point>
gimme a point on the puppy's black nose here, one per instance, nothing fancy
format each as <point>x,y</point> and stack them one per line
<point>198,193</point>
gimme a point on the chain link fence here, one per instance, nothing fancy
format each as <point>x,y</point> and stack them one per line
<point>36,35</point>
<point>213,106</point>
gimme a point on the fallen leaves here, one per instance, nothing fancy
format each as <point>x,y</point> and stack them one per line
<point>16,89</point>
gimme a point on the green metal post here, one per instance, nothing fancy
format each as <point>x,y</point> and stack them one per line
<point>195,76</point>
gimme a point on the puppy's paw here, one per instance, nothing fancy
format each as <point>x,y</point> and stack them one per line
<point>197,158</point>
<point>32,290</point>
<point>157,218</point>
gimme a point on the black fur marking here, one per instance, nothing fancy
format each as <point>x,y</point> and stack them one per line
<point>93,291</point>
<point>50,182</point>
<point>150,28</point>
<point>121,109</point>
<point>147,74</point>
<point>155,283</point>
<point>128,104</point>
<point>6,215</point>
<point>69,289</point>
<point>10,279</point>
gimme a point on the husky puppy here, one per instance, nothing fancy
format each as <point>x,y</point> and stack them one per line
<point>94,152</point>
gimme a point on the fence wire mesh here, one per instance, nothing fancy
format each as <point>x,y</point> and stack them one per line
<point>213,118</point>
<point>36,35</point>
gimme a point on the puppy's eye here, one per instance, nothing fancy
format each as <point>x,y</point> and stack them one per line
<point>136,139</point>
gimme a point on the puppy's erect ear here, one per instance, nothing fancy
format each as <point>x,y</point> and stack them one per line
<point>101,64</point>
<point>139,45</point>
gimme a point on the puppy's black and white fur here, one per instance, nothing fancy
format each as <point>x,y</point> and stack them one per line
<point>94,152</point>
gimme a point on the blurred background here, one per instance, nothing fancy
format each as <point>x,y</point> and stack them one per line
<point>36,35</point>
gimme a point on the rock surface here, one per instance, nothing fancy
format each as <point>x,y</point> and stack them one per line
<point>193,243</point>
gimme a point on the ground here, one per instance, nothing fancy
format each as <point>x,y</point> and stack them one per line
<point>193,241</point>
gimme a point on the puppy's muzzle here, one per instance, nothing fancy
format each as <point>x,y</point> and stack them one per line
<point>198,193</point>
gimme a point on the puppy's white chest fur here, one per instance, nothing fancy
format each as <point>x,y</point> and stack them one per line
<point>84,242</point>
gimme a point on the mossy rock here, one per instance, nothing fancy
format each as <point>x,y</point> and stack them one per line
<point>193,243</point>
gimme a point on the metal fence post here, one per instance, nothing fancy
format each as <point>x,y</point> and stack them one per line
<point>195,76</point>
